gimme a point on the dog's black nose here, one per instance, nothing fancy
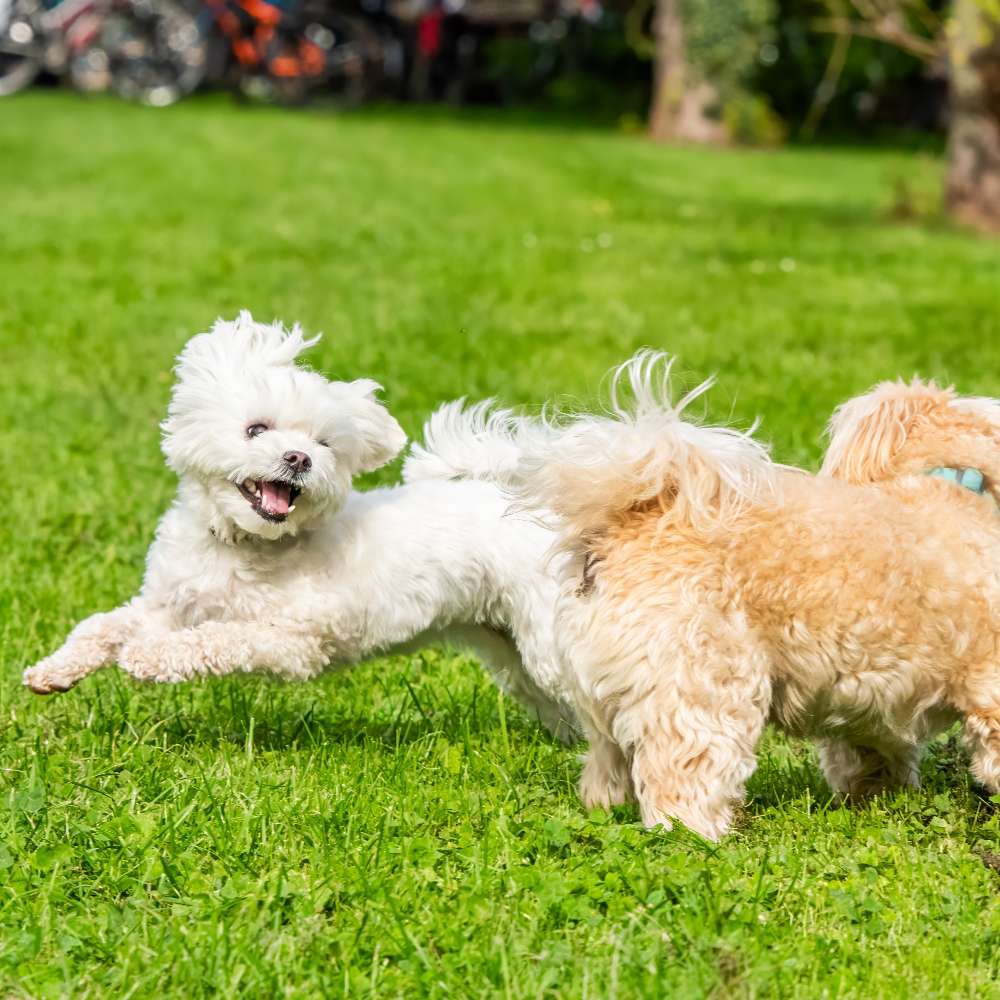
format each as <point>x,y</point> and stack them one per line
<point>298,460</point>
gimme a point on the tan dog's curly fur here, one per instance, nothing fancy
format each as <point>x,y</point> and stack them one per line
<point>710,591</point>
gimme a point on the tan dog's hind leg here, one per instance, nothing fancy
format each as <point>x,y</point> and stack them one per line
<point>605,780</point>
<point>982,734</point>
<point>977,696</point>
<point>696,774</point>
<point>858,772</point>
<point>693,736</point>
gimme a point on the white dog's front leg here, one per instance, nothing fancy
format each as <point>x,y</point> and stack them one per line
<point>223,648</point>
<point>93,644</point>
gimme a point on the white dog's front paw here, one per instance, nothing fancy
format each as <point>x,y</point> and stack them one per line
<point>166,660</point>
<point>145,660</point>
<point>46,677</point>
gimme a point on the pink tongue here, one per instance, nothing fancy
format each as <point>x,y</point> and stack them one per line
<point>275,498</point>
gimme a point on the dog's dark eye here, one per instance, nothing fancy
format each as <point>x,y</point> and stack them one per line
<point>254,429</point>
<point>323,444</point>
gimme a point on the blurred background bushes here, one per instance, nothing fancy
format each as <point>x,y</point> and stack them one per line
<point>766,57</point>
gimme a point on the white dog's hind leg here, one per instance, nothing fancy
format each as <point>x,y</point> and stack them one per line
<point>291,650</point>
<point>504,663</point>
<point>858,772</point>
<point>93,644</point>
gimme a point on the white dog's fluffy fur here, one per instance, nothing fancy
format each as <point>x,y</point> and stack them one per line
<point>268,560</point>
<point>707,590</point>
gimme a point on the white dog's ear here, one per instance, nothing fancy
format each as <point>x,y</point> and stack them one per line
<point>376,435</point>
<point>868,433</point>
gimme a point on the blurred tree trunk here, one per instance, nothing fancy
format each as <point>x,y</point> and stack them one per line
<point>681,102</point>
<point>973,185</point>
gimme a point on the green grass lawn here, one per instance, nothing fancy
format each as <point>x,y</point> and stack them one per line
<point>401,830</point>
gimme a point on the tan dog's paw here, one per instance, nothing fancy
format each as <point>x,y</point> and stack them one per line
<point>604,785</point>
<point>44,678</point>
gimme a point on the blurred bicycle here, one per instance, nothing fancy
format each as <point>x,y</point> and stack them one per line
<point>289,51</point>
<point>146,50</point>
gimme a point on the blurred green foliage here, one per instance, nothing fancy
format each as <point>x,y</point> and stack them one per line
<point>766,58</point>
<point>880,86</point>
<point>724,39</point>
<point>593,68</point>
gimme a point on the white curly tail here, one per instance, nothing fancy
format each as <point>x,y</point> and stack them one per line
<point>591,470</point>
<point>475,441</point>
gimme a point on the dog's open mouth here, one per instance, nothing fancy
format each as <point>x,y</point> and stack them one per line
<point>272,499</point>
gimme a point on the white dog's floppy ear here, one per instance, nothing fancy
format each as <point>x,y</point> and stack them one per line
<point>869,432</point>
<point>376,435</point>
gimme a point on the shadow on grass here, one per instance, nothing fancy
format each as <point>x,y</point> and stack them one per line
<point>268,715</point>
<point>399,709</point>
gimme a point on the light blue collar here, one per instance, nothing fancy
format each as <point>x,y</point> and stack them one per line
<point>970,479</point>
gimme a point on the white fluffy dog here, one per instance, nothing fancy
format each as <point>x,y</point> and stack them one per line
<point>268,560</point>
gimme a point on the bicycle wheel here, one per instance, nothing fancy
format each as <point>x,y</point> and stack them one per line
<point>351,54</point>
<point>21,46</point>
<point>155,52</point>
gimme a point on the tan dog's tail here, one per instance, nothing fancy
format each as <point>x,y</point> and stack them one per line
<point>903,428</point>
<point>591,470</point>
<point>868,432</point>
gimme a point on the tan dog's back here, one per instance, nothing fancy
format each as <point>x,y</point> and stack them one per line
<point>850,590</point>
